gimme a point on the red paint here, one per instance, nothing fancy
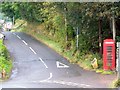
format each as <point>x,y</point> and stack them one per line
<point>109,54</point>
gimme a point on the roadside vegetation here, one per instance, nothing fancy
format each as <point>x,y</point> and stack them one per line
<point>117,83</point>
<point>5,62</point>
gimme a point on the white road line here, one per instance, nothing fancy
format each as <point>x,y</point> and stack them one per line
<point>43,62</point>
<point>51,75</point>
<point>14,33</point>
<point>66,83</point>
<point>32,50</point>
<point>19,86</point>
<point>24,42</point>
<point>18,37</point>
<point>87,85</point>
<point>46,80</point>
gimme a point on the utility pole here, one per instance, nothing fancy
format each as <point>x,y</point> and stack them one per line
<point>113,22</point>
<point>13,22</point>
<point>100,35</point>
<point>65,10</point>
<point>77,33</point>
<point>113,28</point>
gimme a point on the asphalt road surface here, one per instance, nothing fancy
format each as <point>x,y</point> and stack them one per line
<point>38,66</point>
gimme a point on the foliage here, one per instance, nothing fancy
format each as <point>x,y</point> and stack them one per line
<point>10,9</point>
<point>104,72</point>
<point>117,83</point>
<point>3,51</point>
<point>60,21</point>
<point>27,11</point>
<point>5,62</point>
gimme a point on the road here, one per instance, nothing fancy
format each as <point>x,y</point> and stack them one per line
<point>38,66</point>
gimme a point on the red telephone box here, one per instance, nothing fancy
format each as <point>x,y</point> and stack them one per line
<point>109,54</point>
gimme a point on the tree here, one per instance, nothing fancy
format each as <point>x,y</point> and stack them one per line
<point>61,19</point>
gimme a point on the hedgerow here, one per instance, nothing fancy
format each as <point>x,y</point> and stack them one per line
<point>5,62</point>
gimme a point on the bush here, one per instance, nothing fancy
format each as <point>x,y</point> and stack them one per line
<point>5,62</point>
<point>3,51</point>
<point>85,59</point>
<point>117,83</point>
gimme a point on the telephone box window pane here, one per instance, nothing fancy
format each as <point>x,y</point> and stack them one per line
<point>109,48</point>
<point>109,55</point>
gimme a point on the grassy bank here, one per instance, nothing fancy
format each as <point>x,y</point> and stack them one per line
<point>117,83</point>
<point>83,59</point>
<point>5,62</point>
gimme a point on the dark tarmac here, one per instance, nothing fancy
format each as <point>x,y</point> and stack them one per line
<point>38,66</point>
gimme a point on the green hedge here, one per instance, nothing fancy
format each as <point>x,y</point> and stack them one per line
<point>3,50</point>
<point>5,62</point>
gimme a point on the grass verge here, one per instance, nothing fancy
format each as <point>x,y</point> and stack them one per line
<point>117,83</point>
<point>5,62</point>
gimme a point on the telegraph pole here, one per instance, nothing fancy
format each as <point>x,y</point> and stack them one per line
<point>77,33</point>
<point>65,10</point>
<point>113,28</point>
<point>113,22</point>
<point>100,35</point>
<point>13,22</point>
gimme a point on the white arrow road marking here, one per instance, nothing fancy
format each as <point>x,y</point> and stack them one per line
<point>51,75</point>
<point>46,80</point>
<point>61,65</point>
